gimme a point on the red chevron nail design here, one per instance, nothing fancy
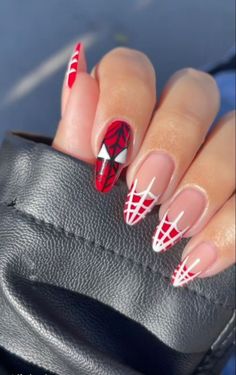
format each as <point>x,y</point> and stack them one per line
<point>73,66</point>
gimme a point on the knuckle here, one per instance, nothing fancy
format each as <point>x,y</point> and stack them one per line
<point>201,86</point>
<point>201,78</point>
<point>226,128</point>
<point>128,53</point>
<point>229,118</point>
<point>186,121</point>
<point>128,58</point>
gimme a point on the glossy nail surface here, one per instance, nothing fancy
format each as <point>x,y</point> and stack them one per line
<point>194,264</point>
<point>73,66</point>
<point>151,181</point>
<point>138,204</point>
<point>183,213</point>
<point>112,156</point>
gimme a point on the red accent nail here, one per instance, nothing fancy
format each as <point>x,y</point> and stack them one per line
<point>112,155</point>
<point>73,66</point>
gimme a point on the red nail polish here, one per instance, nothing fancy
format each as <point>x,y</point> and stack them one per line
<point>181,215</point>
<point>138,204</point>
<point>112,155</point>
<point>150,182</point>
<point>73,66</point>
<point>182,275</point>
<point>167,233</point>
<point>196,262</point>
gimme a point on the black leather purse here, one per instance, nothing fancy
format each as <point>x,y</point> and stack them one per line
<point>83,293</point>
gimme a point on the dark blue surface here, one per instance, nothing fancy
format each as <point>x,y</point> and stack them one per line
<point>230,369</point>
<point>174,34</point>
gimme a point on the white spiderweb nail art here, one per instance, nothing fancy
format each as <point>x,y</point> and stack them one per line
<point>182,275</point>
<point>167,233</point>
<point>139,204</point>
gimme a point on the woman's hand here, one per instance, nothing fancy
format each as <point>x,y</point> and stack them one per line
<point>112,118</point>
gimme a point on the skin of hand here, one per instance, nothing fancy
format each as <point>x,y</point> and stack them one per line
<point>111,118</point>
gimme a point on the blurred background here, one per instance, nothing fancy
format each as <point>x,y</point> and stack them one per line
<point>37,38</point>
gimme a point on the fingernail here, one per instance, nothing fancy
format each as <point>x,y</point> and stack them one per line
<point>112,156</point>
<point>73,66</point>
<point>182,214</point>
<point>195,263</point>
<point>150,182</point>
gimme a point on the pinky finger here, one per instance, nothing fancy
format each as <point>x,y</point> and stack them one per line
<point>77,63</point>
<point>79,103</point>
<point>210,251</point>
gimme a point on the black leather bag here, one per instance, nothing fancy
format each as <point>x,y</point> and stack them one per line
<point>83,293</point>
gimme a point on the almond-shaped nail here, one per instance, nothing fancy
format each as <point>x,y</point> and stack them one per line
<point>183,213</point>
<point>150,182</point>
<point>199,260</point>
<point>73,66</point>
<point>112,156</point>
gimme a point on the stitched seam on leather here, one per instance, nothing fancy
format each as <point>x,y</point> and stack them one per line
<point>224,343</point>
<point>103,248</point>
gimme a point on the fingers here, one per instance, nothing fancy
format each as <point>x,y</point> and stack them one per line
<point>79,102</point>
<point>73,135</point>
<point>126,102</point>
<point>212,250</point>
<point>206,186</point>
<point>188,106</point>
<point>110,116</point>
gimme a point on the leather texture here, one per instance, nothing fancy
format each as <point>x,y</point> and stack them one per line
<point>83,293</point>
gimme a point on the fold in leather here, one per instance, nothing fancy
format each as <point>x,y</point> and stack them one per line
<point>57,231</point>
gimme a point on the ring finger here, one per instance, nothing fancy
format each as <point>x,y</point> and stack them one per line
<point>206,186</point>
<point>187,108</point>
